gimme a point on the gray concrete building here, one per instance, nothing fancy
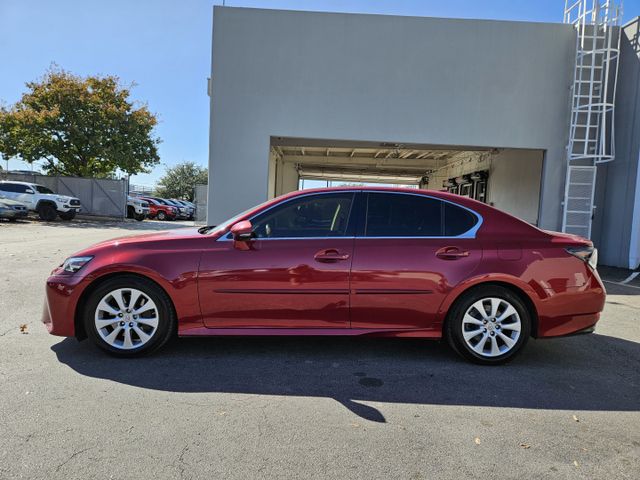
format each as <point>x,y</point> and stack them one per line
<point>479,107</point>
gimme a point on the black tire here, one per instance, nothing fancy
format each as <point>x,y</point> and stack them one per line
<point>12,220</point>
<point>131,212</point>
<point>139,216</point>
<point>67,216</point>
<point>47,212</point>
<point>167,323</point>
<point>455,327</point>
<point>161,215</point>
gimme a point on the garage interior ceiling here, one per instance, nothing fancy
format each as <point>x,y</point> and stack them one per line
<point>369,162</point>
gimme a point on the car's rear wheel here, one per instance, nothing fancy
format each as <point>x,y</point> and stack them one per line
<point>489,325</point>
<point>129,316</point>
<point>47,212</point>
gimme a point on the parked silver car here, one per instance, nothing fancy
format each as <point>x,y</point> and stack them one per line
<point>12,210</point>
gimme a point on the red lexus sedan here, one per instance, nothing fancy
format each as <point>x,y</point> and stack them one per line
<point>342,261</point>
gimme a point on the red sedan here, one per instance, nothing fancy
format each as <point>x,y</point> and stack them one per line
<point>341,261</point>
<point>159,210</point>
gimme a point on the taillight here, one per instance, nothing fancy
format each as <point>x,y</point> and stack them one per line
<point>588,255</point>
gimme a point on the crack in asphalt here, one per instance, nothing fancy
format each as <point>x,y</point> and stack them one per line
<point>74,455</point>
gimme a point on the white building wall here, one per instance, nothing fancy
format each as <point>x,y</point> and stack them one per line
<point>382,79</point>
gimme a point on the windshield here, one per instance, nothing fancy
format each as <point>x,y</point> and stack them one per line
<point>44,190</point>
<point>213,229</point>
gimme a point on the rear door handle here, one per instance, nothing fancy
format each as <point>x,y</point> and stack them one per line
<point>330,255</point>
<point>451,253</point>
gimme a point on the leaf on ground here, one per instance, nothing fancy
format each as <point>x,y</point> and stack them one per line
<point>23,328</point>
<point>575,463</point>
<point>477,440</point>
<point>525,445</point>
<point>575,418</point>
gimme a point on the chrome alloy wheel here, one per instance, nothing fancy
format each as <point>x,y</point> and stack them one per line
<point>126,318</point>
<point>491,327</point>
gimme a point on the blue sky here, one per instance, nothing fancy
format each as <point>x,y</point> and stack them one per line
<point>165,47</point>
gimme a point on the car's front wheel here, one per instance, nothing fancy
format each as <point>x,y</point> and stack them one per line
<point>489,325</point>
<point>161,215</point>
<point>68,216</point>
<point>128,316</point>
<point>47,212</point>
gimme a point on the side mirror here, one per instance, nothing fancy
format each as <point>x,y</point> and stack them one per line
<point>28,190</point>
<point>242,231</point>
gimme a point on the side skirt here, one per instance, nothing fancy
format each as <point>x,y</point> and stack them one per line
<point>307,332</point>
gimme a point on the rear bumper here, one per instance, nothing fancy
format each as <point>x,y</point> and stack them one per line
<point>572,311</point>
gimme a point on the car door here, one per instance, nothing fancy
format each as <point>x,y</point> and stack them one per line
<point>293,274</point>
<point>25,194</point>
<point>411,251</point>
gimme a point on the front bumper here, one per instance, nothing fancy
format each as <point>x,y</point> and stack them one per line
<point>11,213</point>
<point>68,208</point>
<point>62,295</point>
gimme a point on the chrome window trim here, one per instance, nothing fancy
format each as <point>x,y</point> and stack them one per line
<point>469,234</point>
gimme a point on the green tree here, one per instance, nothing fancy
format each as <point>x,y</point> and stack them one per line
<point>180,181</point>
<point>85,127</point>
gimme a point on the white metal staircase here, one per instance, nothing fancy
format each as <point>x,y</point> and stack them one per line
<point>591,130</point>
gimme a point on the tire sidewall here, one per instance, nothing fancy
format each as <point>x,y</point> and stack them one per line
<point>160,298</point>
<point>454,323</point>
<point>161,216</point>
<point>47,213</point>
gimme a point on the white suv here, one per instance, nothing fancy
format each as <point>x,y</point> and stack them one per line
<point>42,200</point>
<point>137,208</point>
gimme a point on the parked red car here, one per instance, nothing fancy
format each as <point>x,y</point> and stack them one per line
<point>159,210</point>
<point>343,261</point>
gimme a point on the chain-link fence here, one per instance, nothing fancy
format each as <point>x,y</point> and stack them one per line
<point>98,196</point>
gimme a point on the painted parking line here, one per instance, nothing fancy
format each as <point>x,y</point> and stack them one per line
<point>630,277</point>
<point>622,284</point>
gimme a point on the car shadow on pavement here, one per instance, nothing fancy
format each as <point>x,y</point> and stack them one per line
<point>593,372</point>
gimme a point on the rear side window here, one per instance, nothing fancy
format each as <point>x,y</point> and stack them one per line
<point>399,215</point>
<point>325,215</point>
<point>457,220</point>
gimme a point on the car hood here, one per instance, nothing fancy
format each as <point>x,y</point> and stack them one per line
<point>146,240</point>
<point>53,196</point>
<point>10,203</point>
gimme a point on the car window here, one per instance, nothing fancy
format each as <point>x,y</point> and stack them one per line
<point>325,215</point>
<point>42,189</point>
<point>17,188</point>
<point>403,215</point>
<point>7,187</point>
<point>457,220</point>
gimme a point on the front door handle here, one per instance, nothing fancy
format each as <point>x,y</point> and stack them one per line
<point>451,253</point>
<point>330,255</point>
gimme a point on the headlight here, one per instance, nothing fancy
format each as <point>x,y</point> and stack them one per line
<point>61,200</point>
<point>73,264</point>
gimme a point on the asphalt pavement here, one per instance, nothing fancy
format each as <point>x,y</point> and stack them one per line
<point>303,407</point>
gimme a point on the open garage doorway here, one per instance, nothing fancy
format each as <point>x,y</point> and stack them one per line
<point>508,179</point>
